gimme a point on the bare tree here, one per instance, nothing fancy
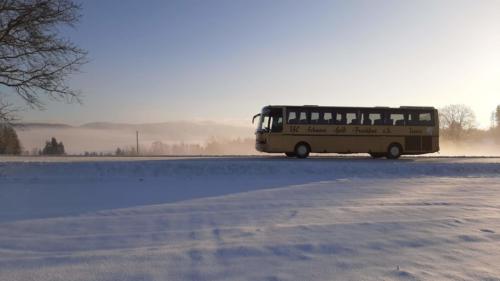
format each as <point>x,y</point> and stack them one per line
<point>7,112</point>
<point>34,60</point>
<point>456,119</point>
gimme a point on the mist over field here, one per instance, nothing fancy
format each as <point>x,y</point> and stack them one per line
<point>485,147</point>
<point>188,137</point>
<point>107,137</point>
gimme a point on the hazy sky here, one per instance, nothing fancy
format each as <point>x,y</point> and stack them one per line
<point>154,61</point>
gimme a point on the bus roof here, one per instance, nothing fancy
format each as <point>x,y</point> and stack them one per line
<point>360,107</point>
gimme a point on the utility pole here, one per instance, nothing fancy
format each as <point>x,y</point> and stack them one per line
<point>137,141</point>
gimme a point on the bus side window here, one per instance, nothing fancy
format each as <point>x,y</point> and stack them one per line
<point>425,118</point>
<point>303,117</point>
<point>341,119</point>
<point>327,118</point>
<point>398,119</point>
<point>366,119</point>
<point>388,121</point>
<point>352,119</point>
<point>411,119</point>
<point>292,117</point>
<point>277,123</point>
<point>314,117</point>
<point>376,118</point>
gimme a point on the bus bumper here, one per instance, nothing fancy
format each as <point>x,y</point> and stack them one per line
<point>260,146</point>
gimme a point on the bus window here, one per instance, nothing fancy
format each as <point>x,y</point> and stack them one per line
<point>327,118</point>
<point>411,119</point>
<point>419,118</point>
<point>265,123</point>
<point>366,119</point>
<point>376,118</point>
<point>314,117</point>
<point>277,123</point>
<point>425,118</point>
<point>398,119</point>
<point>303,117</point>
<point>352,118</point>
<point>275,120</point>
<point>292,117</point>
<point>341,119</point>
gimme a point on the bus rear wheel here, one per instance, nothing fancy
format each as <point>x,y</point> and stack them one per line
<point>377,154</point>
<point>290,154</point>
<point>394,151</point>
<point>302,150</point>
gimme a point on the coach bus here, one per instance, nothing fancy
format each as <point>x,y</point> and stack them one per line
<point>379,131</point>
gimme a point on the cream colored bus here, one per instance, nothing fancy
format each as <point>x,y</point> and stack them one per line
<point>379,131</point>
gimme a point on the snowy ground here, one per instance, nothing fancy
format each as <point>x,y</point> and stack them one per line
<point>250,219</point>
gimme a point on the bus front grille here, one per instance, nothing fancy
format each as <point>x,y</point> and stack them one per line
<point>427,143</point>
<point>418,143</point>
<point>413,143</point>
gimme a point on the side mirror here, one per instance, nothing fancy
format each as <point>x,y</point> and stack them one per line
<point>255,116</point>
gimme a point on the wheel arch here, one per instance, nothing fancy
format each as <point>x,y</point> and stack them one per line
<point>396,143</point>
<point>304,143</point>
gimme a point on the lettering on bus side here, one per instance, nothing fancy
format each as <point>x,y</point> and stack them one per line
<point>312,129</point>
<point>359,130</point>
<point>340,130</point>
<point>294,129</point>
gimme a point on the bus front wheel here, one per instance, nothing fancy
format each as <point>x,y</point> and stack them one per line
<point>302,150</point>
<point>394,151</point>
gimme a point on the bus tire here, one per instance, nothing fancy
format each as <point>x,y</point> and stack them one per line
<point>302,150</point>
<point>290,154</point>
<point>394,151</point>
<point>377,154</point>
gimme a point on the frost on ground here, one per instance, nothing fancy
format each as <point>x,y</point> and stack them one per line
<point>251,219</point>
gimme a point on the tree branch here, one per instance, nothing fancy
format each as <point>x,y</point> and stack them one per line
<point>34,61</point>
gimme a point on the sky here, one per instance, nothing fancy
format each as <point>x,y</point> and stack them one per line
<point>156,60</point>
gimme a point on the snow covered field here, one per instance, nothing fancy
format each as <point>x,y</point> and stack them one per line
<point>262,218</point>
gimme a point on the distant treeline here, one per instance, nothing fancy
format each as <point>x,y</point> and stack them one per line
<point>211,147</point>
<point>458,124</point>
<point>10,144</point>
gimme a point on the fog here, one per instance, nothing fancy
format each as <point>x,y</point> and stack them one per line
<point>191,138</point>
<point>481,147</point>
<point>107,137</point>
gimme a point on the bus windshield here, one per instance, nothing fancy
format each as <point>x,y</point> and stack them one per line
<point>271,120</point>
<point>263,124</point>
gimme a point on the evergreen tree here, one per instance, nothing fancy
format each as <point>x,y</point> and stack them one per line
<point>119,152</point>
<point>52,147</point>
<point>9,142</point>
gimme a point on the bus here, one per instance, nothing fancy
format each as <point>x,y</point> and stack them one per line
<point>387,132</point>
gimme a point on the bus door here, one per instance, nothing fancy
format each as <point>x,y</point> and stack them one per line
<point>271,125</point>
<point>275,126</point>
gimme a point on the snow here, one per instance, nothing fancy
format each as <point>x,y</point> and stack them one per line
<point>262,218</point>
